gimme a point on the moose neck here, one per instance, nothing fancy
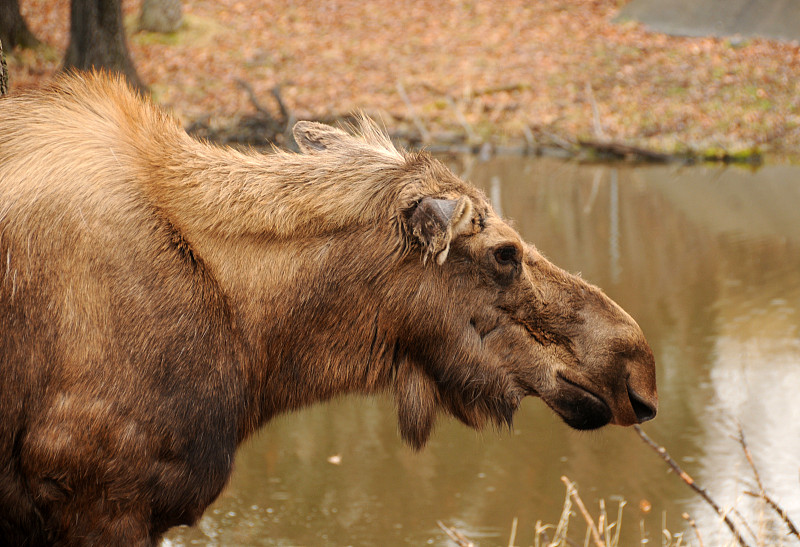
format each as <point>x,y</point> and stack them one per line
<point>310,319</point>
<point>297,245</point>
<point>295,271</point>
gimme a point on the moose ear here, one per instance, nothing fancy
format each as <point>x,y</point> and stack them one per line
<point>316,137</point>
<point>435,222</point>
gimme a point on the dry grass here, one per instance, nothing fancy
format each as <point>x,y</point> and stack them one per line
<point>598,527</point>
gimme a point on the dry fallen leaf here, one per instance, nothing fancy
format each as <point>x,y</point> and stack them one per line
<point>527,65</point>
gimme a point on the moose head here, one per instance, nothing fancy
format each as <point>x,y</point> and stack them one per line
<point>477,318</point>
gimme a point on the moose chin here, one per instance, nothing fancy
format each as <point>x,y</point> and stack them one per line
<point>162,298</point>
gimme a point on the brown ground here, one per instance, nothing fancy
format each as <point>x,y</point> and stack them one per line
<point>551,70</point>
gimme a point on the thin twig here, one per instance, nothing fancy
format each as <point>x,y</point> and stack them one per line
<point>560,533</point>
<point>539,530</point>
<point>602,520</point>
<point>579,502</point>
<point>276,94</point>
<point>778,509</point>
<point>513,537</point>
<point>251,94</point>
<point>455,535</point>
<point>749,456</point>
<point>615,543</point>
<point>693,524</point>
<point>762,493</point>
<point>744,522</point>
<point>661,451</point>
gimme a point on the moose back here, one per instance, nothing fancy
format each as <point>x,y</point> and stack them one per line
<point>162,298</point>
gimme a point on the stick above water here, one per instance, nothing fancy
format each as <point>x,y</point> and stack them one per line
<point>685,477</point>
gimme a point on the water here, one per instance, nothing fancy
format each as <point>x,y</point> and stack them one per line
<point>707,259</point>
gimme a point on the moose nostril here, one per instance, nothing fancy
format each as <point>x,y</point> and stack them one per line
<point>644,410</point>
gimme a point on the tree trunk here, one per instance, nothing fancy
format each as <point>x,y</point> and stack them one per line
<point>3,72</point>
<point>97,39</point>
<point>161,15</point>
<point>13,30</point>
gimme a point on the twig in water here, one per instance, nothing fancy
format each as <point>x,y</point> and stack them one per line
<point>602,520</point>
<point>693,524</point>
<point>560,533</point>
<point>749,456</point>
<point>513,537</point>
<point>579,502</point>
<point>615,542</point>
<point>455,535</point>
<point>661,451</point>
<point>762,493</point>
<point>778,509</point>
<point>541,531</point>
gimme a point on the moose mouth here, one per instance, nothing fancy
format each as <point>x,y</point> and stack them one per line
<point>579,407</point>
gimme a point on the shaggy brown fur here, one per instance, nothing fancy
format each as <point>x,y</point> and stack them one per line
<point>162,298</point>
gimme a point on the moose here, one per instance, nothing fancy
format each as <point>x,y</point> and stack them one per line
<point>162,298</point>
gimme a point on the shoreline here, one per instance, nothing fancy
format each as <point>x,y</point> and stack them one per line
<point>568,148</point>
<point>533,76</point>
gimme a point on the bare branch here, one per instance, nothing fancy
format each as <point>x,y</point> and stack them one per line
<point>778,509</point>
<point>251,94</point>
<point>749,456</point>
<point>661,451</point>
<point>455,535</point>
<point>276,94</point>
<point>762,493</point>
<point>625,151</point>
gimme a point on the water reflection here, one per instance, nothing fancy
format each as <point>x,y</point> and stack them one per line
<point>706,259</point>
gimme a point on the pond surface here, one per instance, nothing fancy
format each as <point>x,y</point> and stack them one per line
<point>707,259</point>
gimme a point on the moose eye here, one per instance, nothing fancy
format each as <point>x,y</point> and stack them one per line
<point>506,255</point>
